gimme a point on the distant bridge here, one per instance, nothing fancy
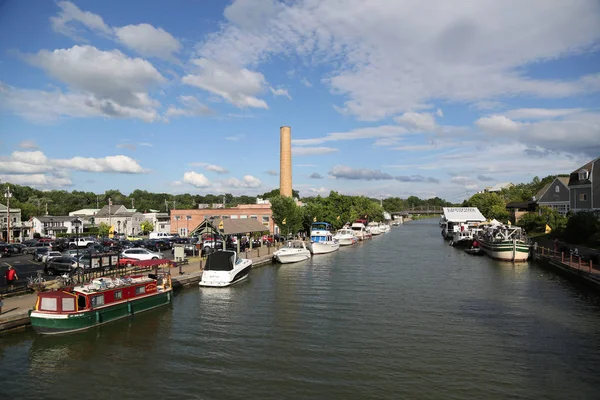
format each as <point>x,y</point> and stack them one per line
<point>419,210</point>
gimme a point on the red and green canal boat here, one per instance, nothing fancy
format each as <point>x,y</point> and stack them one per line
<point>101,301</point>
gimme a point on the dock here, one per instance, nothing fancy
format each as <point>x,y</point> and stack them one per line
<point>15,311</point>
<point>572,266</point>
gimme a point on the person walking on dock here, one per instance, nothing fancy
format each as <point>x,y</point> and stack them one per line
<point>11,276</point>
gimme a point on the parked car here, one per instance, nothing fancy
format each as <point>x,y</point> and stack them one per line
<point>33,248</point>
<point>157,245</point>
<point>64,264</point>
<point>39,253</point>
<point>17,248</point>
<point>5,250</point>
<point>50,255</point>
<point>72,252</point>
<point>140,253</point>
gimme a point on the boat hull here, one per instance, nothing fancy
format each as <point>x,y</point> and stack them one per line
<point>54,324</point>
<point>507,250</point>
<point>324,247</point>
<point>224,282</point>
<point>292,258</point>
<point>346,241</point>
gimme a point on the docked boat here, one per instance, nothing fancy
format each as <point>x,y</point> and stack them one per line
<point>359,228</point>
<point>505,243</point>
<point>96,303</point>
<point>294,251</point>
<point>460,223</point>
<point>321,239</point>
<point>224,268</point>
<point>475,251</point>
<point>345,237</point>
<point>373,228</point>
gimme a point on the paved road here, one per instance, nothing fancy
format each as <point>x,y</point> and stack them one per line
<point>24,265</point>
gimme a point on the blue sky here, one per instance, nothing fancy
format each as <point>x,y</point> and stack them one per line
<point>384,98</point>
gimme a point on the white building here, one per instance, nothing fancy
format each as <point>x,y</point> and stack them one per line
<point>120,219</point>
<point>50,225</point>
<point>84,212</point>
<point>160,220</point>
<point>18,229</point>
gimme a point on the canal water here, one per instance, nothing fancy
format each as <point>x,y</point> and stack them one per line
<point>401,316</point>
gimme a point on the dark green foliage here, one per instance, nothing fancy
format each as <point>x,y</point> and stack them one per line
<point>583,228</point>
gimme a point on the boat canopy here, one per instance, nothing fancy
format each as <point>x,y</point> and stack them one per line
<point>220,261</point>
<point>463,214</point>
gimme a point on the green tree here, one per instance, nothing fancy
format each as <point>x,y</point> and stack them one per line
<point>491,205</point>
<point>286,214</point>
<point>146,226</point>
<point>103,229</point>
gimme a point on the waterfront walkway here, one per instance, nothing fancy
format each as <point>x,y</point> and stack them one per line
<point>569,263</point>
<point>15,311</point>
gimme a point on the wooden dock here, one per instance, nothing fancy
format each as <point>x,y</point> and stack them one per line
<point>573,266</point>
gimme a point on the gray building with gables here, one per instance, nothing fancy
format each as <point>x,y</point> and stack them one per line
<point>121,219</point>
<point>584,185</point>
<point>555,195</point>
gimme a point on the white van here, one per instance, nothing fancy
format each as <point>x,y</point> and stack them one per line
<point>160,235</point>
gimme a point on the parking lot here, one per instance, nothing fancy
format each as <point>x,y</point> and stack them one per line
<point>26,267</point>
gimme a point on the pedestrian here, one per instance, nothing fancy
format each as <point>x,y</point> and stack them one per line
<point>556,245</point>
<point>11,276</point>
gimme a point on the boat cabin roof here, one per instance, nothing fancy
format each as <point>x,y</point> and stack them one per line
<point>463,214</point>
<point>295,244</point>
<point>223,260</point>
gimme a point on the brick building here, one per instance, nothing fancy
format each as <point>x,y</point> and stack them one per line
<point>184,221</point>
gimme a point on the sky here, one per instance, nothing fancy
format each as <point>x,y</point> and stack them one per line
<point>384,98</point>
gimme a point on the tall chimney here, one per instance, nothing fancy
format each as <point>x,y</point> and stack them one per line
<point>285,161</point>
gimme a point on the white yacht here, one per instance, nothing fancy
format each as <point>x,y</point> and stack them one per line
<point>384,227</point>
<point>373,227</point>
<point>224,268</point>
<point>360,229</point>
<point>321,239</point>
<point>345,237</point>
<point>294,251</point>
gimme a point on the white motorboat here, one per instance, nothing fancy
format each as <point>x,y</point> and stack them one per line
<point>321,239</point>
<point>373,227</point>
<point>360,230</point>
<point>345,237</point>
<point>384,227</point>
<point>224,268</point>
<point>294,251</point>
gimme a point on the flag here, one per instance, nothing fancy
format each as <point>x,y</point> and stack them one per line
<point>548,229</point>
<point>284,221</point>
<point>315,219</point>
<point>338,218</point>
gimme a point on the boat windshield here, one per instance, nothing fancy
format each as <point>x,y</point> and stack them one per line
<point>220,261</point>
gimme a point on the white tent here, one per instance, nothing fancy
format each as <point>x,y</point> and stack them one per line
<point>463,214</point>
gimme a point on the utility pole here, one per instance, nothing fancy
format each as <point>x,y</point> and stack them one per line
<point>109,220</point>
<point>131,203</point>
<point>8,195</point>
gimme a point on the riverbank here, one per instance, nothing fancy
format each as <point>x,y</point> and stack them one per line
<point>15,311</point>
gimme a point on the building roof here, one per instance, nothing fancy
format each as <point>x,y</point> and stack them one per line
<point>499,186</point>
<point>574,177</point>
<point>55,218</point>
<point>230,226</point>
<point>3,208</point>
<point>463,214</point>
<point>84,211</point>
<point>115,210</point>
<point>563,179</point>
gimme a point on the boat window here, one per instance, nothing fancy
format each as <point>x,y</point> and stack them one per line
<point>81,303</point>
<point>48,304</point>
<point>98,300</point>
<point>118,294</point>
<point>68,304</point>
<point>140,290</point>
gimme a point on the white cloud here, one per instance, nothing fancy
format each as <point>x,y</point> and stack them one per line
<point>145,39</point>
<point>541,113</point>
<point>235,138</point>
<point>280,92</point>
<point>145,144</point>
<point>384,131</point>
<point>272,172</point>
<point>248,181</point>
<point>196,179</point>
<point>37,180</point>
<point>311,151</point>
<point>498,124</point>
<point>305,82</point>
<point>192,108</point>
<point>29,157</point>
<point>120,163</point>
<point>239,86</point>
<point>148,40</point>
<point>393,57</point>
<point>28,144</point>
<point>210,167</point>
<point>346,172</point>
<point>439,112</point>
<point>420,122</point>
<point>70,13</point>
<point>129,146</point>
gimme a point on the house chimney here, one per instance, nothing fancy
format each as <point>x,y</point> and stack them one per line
<point>285,161</point>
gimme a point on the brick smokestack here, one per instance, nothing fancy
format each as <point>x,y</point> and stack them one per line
<point>285,161</point>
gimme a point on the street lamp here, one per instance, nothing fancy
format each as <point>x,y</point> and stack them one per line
<point>8,195</point>
<point>76,223</point>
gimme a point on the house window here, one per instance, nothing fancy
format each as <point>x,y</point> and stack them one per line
<point>557,189</point>
<point>177,218</point>
<point>583,174</point>
<point>265,218</point>
<point>582,196</point>
<point>254,216</point>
